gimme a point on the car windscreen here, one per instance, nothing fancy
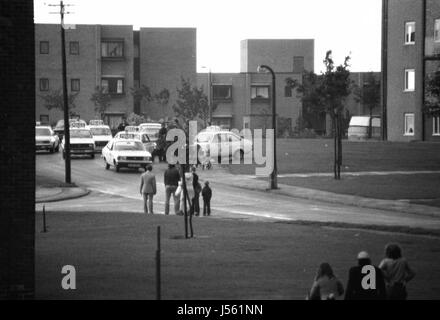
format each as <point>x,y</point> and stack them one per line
<point>153,134</point>
<point>100,131</point>
<point>42,132</point>
<point>129,146</point>
<point>80,134</point>
<point>204,137</point>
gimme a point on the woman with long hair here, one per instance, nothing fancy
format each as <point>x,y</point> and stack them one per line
<point>326,285</point>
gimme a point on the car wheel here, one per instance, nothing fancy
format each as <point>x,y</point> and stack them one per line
<point>117,168</point>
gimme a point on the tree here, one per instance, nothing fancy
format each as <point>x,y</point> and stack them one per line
<point>192,103</point>
<point>369,95</point>
<point>327,93</point>
<point>102,100</point>
<point>162,98</point>
<point>54,100</point>
<point>432,99</point>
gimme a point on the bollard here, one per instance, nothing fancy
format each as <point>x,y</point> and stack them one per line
<point>158,288</point>
<point>44,219</point>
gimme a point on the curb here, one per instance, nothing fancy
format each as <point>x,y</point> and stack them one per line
<point>65,195</point>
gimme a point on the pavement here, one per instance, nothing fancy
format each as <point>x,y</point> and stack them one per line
<point>221,175</point>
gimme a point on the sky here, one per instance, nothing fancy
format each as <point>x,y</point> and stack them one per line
<point>347,27</point>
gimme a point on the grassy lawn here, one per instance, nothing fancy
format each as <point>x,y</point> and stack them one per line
<point>316,155</point>
<point>419,188</point>
<point>113,254</point>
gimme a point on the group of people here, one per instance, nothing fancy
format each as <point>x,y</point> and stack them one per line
<point>174,188</point>
<point>390,279</point>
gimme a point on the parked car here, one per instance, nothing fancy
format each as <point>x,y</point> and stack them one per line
<point>126,153</point>
<point>359,127</point>
<point>226,143</point>
<point>59,127</point>
<point>46,139</point>
<point>81,142</point>
<point>152,129</point>
<point>149,145</point>
<point>101,136</point>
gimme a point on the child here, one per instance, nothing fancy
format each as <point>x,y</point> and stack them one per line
<point>206,194</point>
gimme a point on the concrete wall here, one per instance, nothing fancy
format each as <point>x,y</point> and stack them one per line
<point>277,54</point>
<point>166,55</point>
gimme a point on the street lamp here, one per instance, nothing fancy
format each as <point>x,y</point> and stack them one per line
<point>209,93</point>
<point>274,174</point>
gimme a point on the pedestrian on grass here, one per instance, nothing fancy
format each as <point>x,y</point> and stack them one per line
<point>355,290</point>
<point>326,285</point>
<point>148,189</point>
<point>171,179</point>
<point>396,272</point>
<point>207,195</point>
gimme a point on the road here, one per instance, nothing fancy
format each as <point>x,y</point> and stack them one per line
<point>112,191</point>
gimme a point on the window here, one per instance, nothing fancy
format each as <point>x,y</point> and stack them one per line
<point>298,64</point>
<point>260,92</point>
<point>44,47</point>
<point>74,47</point>
<point>436,126</point>
<point>74,85</point>
<point>287,91</point>
<point>113,85</point>
<point>44,84</point>
<point>222,92</point>
<point>437,30</point>
<point>410,32</point>
<point>112,49</point>
<point>409,124</point>
<point>410,80</point>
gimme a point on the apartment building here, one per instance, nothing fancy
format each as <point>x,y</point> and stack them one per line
<point>243,100</point>
<point>411,53</point>
<point>115,58</point>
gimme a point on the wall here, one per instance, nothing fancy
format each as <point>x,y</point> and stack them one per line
<point>17,159</point>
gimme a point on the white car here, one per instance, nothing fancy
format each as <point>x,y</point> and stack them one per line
<point>101,135</point>
<point>223,143</point>
<point>149,145</point>
<point>126,153</point>
<point>152,129</point>
<point>46,139</point>
<point>81,142</point>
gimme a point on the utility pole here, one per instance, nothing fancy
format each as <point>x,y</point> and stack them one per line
<point>65,99</point>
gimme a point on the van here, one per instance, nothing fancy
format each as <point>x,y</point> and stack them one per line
<point>359,127</point>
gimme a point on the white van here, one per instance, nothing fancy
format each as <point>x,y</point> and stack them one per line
<point>359,127</point>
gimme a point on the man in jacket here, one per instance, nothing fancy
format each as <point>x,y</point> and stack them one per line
<point>355,291</point>
<point>148,189</point>
<point>171,179</point>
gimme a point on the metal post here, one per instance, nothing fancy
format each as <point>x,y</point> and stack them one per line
<point>65,99</point>
<point>158,284</point>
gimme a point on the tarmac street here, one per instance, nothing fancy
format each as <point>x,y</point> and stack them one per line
<point>113,191</point>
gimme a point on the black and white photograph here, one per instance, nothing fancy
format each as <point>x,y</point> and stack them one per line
<point>209,151</point>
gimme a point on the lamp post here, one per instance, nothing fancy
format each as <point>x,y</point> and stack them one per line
<point>209,93</point>
<point>274,174</point>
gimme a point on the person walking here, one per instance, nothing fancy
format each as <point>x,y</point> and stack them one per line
<point>396,272</point>
<point>171,179</point>
<point>355,291</point>
<point>207,195</point>
<point>326,285</point>
<point>148,189</point>
<point>197,190</point>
